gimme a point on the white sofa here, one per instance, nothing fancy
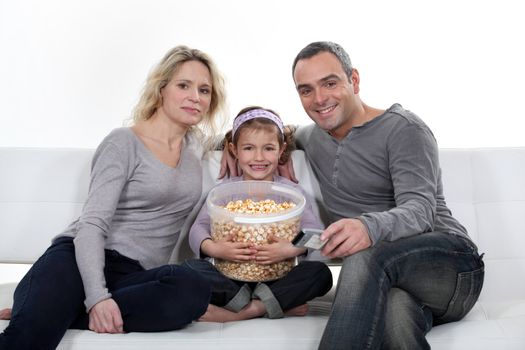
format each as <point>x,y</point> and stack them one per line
<point>42,190</point>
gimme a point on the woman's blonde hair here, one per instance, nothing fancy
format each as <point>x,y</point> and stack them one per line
<point>151,99</point>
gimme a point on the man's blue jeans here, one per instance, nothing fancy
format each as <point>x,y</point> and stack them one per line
<point>50,298</point>
<point>390,295</point>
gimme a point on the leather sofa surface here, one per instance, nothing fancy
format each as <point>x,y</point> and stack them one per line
<point>42,191</point>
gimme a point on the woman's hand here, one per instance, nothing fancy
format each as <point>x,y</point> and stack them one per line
<point>226,249</point>
<point>277,249</point>
<point>105,317</point>
<point>228,164</point>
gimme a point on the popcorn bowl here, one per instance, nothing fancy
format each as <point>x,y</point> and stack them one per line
<point>251,211</point>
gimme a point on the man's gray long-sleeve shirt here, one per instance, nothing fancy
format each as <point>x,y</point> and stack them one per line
<point>385,173</point>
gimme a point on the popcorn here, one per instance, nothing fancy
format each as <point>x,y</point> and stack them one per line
<point>258,234</point>
<point>266,206</point>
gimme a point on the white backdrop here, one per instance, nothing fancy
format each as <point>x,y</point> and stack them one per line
<point>72,70</point>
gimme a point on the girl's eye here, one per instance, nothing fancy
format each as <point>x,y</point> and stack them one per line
<point>247,148</point>
<point>270,148</point>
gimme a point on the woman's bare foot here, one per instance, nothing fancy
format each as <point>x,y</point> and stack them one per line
<point>300,310</point>
<point>219,314</point>
<point>5,314</point>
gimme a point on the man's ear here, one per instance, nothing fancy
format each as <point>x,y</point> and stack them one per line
<point>354,78</point>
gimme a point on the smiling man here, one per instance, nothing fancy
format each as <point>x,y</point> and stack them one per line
<point>408,264</point>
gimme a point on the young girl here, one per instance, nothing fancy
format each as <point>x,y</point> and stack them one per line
<point>257,142</point>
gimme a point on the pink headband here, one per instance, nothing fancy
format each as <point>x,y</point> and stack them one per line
<point>256,113</point>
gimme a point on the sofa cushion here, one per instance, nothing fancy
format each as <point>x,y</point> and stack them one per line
<point>42,191</point>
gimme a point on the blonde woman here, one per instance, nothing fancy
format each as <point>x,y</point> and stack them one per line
<point>108,270</point>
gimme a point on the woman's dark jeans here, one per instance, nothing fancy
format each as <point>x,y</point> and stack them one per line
<point>50,298</point>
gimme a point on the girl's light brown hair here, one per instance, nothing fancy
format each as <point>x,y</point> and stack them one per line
<point>285,139</point>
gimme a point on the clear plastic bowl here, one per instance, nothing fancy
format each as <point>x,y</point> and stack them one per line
<point>254,228</point>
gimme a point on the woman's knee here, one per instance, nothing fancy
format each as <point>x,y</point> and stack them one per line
<point>197,264</point>
<point>187,294</point>
<point>196,285</point>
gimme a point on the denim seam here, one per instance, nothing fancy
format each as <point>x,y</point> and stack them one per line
<point>29,282</point>
<point>461,277</point>
<point>394,258</point>
<point>373,327</point>
<point>30,278</point>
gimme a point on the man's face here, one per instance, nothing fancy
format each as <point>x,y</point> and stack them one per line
<point>327,96</point>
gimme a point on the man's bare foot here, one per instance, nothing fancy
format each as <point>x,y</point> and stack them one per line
<point>219,314</point>
<point>300,310</point>
<point>5,314</point>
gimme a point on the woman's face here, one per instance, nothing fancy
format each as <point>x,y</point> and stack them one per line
<point>258,153</point>
<point>187,96</point>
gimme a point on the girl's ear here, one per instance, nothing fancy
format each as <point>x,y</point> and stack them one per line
<point>283,148</point>
<point>232,149</point>
<point>283,154</point>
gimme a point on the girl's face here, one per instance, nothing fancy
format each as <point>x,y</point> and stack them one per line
<point>186,98</point>
<point>258,153</point>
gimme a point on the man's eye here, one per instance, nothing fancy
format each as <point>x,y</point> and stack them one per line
<point>305,92</point>
<point>330,84</point>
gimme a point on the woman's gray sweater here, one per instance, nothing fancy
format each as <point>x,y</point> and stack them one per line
<point>136,205</point>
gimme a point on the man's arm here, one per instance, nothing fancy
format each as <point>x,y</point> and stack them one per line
<point>414,169</point>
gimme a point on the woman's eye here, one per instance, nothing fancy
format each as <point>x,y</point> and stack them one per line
<point>205,91</point>
<point>183,86</point>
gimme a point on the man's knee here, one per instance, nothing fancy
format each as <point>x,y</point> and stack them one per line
<point>360,266</point>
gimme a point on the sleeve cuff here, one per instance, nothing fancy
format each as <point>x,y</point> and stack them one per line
<point>93,300</point>
<point>369,225</point>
